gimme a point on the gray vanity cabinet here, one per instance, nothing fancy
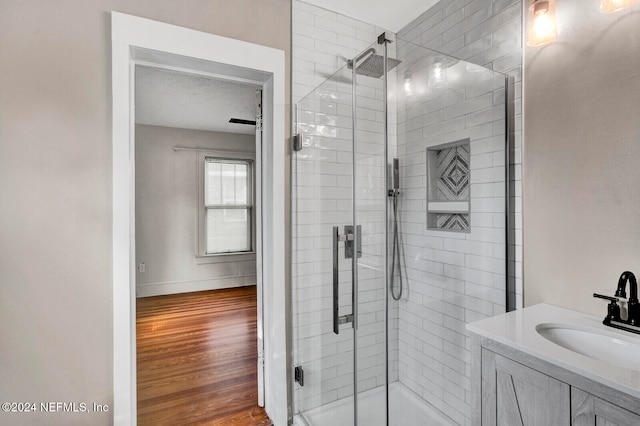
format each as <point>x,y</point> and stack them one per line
<point>588,410</point>
<point>512,395</point>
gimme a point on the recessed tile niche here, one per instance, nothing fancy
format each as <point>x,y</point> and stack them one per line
<point>448,189</point>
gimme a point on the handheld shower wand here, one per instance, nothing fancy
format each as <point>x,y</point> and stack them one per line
<point>396,173</point>
<point>395,193</point>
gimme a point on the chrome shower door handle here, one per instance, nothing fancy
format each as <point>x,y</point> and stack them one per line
<point>336,238</point>
<point>337,319</point>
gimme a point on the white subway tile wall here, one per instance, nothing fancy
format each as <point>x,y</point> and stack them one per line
<point>323,41</point>
<point>487,33</point>
<point>456,278</point>
<point>323,197</point>
<point>452,277</point>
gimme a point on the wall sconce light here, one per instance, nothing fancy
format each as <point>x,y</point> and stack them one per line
<point>543,28</point>
<point>610,6</point>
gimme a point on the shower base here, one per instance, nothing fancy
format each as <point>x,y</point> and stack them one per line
<point>405,409</point>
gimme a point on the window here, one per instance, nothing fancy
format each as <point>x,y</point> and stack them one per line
<point>227,206</point>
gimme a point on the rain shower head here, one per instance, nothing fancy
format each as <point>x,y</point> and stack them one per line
<point>373,65</point>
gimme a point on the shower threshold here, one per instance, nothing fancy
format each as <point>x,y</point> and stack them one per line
<point>405,409</point>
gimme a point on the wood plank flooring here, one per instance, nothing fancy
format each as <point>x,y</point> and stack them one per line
<point>197,359</point>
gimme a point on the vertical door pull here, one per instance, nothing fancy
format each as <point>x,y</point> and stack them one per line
<point>337,319</point>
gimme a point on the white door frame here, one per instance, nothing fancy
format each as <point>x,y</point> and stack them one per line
<point>139,40</point>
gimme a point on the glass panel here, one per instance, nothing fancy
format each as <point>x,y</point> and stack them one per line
<point>213,176</point>
<point>228,183</point>
<point>452,253</point>
<point>228,230</point>
<point>241,184</point>
<point>444,267</point>
<point>369,204</point>
<point>322,199</point>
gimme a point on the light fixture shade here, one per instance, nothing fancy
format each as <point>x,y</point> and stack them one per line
<point>542,26</point>
<point>610,6</point>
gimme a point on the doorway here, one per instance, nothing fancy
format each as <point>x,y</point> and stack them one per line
<point>138,41</point>
<point>197,198</point>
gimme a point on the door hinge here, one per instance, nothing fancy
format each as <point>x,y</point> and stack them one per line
<point>297,142</point>
<point>298,374</point>
<point>259,122</point>
<point>261,358</point>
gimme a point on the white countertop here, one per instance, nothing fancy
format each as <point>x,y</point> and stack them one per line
<point>517,329</point>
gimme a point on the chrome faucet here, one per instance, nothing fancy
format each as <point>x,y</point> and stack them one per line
<point>633,308</point>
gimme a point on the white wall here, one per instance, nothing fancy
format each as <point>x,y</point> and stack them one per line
<point>56,304</point>
<point>167,215</point>
<point>582,150</point>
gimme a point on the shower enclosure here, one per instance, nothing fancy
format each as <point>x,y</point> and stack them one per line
<point>438,231</point>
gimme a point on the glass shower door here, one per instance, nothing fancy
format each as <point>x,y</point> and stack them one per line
<point>370,198</point>
<point>339,239</point>
<point>323,250</point>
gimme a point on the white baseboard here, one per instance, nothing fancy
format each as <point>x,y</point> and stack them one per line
<point>173,287</point>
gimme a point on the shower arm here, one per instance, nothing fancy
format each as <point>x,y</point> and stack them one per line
<point>367,52</point>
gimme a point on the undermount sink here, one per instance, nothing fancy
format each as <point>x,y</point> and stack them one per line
<point>602,345</point>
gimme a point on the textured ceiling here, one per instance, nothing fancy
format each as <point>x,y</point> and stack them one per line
<point>392,15</point>
<point>173,99</point>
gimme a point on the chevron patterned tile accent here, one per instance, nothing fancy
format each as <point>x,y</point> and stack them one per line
<point>453,222</point>
<point>453,173</point>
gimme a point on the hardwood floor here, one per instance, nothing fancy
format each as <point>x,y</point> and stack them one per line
<point>197,359</point>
